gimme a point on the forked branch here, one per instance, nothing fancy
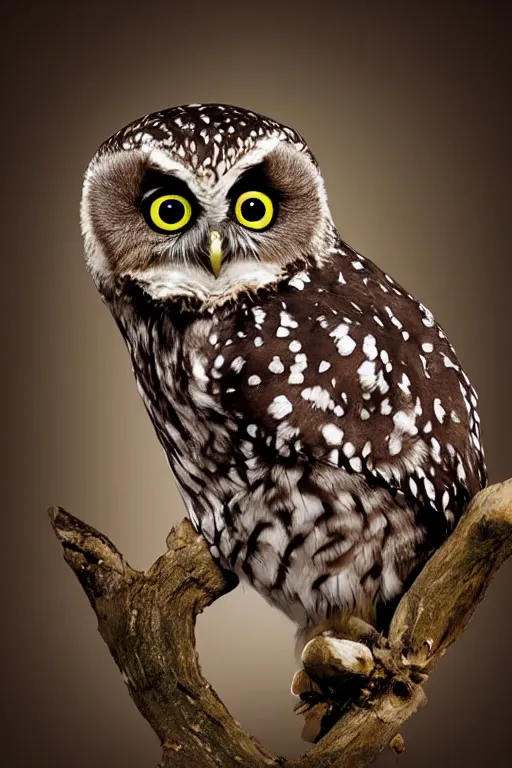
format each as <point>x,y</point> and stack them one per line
<point>147,620</point>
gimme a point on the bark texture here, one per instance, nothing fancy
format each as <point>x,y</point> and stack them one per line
<point>148,619</point>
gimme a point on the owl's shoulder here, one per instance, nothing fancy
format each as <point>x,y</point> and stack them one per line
<point>348,368</point>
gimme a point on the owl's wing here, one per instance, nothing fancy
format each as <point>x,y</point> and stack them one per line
<point>347,369</point>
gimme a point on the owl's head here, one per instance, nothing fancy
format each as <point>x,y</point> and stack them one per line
<point>202,201</point>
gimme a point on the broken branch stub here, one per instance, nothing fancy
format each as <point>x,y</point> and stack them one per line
<point>147,620</point>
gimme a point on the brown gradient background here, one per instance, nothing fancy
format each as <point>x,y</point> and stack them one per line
<point>405,107</point>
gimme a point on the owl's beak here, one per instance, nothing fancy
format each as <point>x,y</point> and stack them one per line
<point>215,252</point>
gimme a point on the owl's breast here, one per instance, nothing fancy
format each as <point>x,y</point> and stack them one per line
<point>175,373</point>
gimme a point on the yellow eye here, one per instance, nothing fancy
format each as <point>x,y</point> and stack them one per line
<point>169,213</point>
<point>254,210</point>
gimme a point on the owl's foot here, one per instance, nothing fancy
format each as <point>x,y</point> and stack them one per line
<point>334,676</point>
<point>312,705</point>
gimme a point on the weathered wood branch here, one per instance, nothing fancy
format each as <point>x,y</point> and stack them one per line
<point>147,620</point>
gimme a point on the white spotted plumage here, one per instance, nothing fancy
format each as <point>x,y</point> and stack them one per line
<point>320,427</point>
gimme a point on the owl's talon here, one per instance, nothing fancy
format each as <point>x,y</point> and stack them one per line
<point>330,657</point>
<point>302,707</point>
<point>302,683</point>
<point>337,674</point>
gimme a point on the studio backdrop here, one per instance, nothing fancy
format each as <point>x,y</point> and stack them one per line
<point>406,110</point>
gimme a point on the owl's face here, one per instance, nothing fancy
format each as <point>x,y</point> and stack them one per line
<point>202,201</point>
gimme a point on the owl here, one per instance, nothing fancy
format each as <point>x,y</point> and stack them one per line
<point>318,423</point>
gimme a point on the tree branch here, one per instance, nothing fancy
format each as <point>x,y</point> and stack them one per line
<point>147,620</point>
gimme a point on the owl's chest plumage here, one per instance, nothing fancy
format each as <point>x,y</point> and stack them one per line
<point>323,435</point>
